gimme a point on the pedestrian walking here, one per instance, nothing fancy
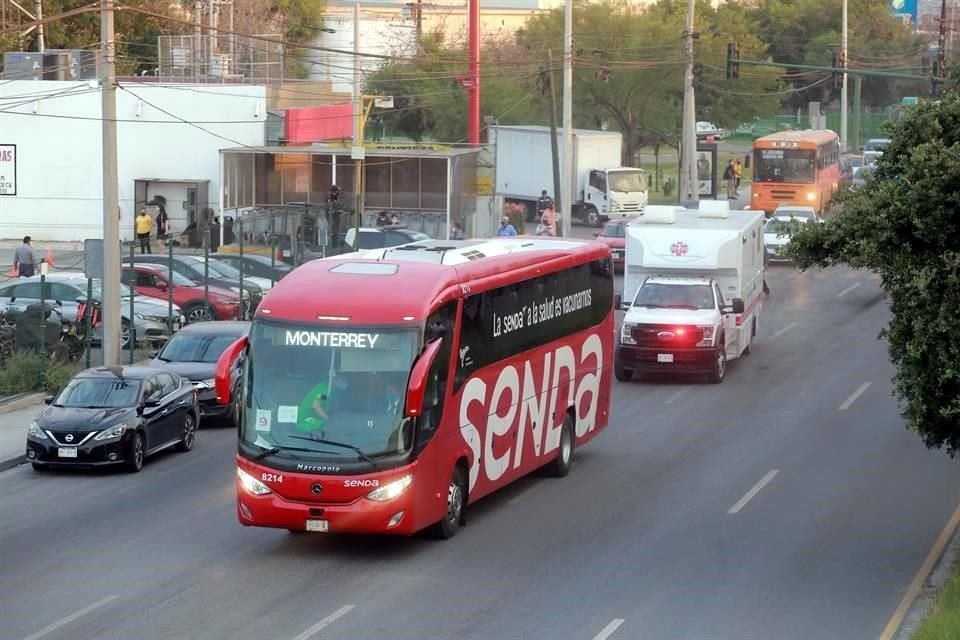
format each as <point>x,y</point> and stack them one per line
<point>23,260</point>
<point>383,219</point>
<point>506,229</point>
<point>548,223</point>
<point>163,225</point>
<point>334,194</point>
<point>144,225</point>
<point>545,202</point>
<point>456,233</point>
<point>730,178</point>
<point>737,174</point>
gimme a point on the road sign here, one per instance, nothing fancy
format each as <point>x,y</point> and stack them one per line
<point>93,258</point>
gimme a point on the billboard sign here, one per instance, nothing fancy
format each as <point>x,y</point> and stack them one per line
<point>8,169</point>
<point>905,10</point>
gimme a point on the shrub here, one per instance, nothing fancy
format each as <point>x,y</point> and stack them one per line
<point>21,374</point>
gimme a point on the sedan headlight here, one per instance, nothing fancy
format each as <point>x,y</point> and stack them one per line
<point>251,484</point>
<point>204,384</point>
<point>115,431</point>
<point>36,432</point>
<point>707,339</point>
<point>150,318</point>
<point>626,333</point>
<point>391,490</point>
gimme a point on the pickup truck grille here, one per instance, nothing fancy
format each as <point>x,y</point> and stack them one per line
<point>667,335</point>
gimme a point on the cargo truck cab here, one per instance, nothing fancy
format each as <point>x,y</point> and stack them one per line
<point>612,192</point>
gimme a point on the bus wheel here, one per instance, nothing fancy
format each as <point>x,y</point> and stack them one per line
<point>560,466</point>
<point>456,501</point>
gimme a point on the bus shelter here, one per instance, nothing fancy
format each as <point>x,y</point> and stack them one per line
<point>279,198</point>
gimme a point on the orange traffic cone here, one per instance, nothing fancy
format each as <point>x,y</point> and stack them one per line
<point>50,257</point>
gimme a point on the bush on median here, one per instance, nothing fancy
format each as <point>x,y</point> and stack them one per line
<point>21,374</point>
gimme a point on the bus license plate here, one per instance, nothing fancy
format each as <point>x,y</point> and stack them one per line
<point>67,452</point>
<point>321,526</point>
<point>665,357</point>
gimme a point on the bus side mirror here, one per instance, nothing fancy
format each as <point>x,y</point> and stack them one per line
<point>221,376</point>
<point>419,376</point>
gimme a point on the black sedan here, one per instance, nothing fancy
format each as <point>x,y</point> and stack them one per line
<point>193,353</point>
<point>255,265</point>
<point>114,415</point>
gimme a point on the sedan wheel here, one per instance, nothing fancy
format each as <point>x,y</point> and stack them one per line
<point>135,461</point>
<point>189,433</point>
<point>125,335</point>
<point>199,313</point>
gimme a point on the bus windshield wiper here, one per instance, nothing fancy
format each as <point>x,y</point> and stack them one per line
<point>344,445</point>
<point>275,450</point>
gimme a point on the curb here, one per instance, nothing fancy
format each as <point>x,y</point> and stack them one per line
<point>21,401</point>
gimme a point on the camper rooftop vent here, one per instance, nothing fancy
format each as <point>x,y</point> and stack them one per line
<point>659,214</point>
<point>714,209</point>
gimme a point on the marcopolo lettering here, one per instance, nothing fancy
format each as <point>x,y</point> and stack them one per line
<point>331,339</point>
<point>317,468</point>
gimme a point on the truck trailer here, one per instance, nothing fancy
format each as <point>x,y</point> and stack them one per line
<point>693,282</point>
<point>602,188</point>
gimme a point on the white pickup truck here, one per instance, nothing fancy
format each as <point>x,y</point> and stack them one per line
<point>692,290</point>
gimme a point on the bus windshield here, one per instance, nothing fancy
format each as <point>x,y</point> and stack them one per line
<point>784,165</point>
<point>340,387</point>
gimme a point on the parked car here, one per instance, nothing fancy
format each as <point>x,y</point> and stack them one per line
<point>255,265</point>
<point>65,289</point>
<point>799,212</point>
<point>381,237</point>
<point>193,354</point>
<point>708,129</point>
<point>155,281</point>
<point>114,415</point>
<point>873,149</point>
<point>614,235</point>
<point>191,267</point>
<point>225,270</point>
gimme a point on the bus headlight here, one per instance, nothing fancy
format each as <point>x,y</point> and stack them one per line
<point>626,333</point>
<point>391,490</point>
<point>811,196</point>
<point>251,484</point>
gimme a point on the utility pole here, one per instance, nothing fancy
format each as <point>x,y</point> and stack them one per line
<point>197,38</point>
<point>212,35</point>
<point>419,22</point>
<point>38,9</point>
<point>111,204</point>
<point>941,71</point>
<point>473,92</point>
<point>844,102</point>
<point>357,152</point>
<point>568,179</point>
<point>689,193</point>
<point>555,152</point>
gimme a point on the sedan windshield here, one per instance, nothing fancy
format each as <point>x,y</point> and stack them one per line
<point>98,393</point>
<point>125,291</point>
<point>675,296</point>
<point>338,384</point>
<point>184,347</point>
<point>223,269</point>
<point>781,227</point>
<point>614,230</point>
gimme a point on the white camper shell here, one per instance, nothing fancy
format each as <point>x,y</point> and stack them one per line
<point>692,290</point>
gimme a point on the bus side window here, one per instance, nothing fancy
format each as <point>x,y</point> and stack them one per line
<point>440,326</point>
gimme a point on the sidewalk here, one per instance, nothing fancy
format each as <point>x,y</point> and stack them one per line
<point>15,418</point>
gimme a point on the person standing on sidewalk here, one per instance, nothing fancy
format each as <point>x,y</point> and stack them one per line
<point>737,174</point>
<point>144,224</point>
<point>163,225</point>
<point>730,178</point>
<point>23,260</point>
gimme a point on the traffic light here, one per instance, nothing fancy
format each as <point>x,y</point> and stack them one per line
<point>736,61</point>
<point>731,53</point>
<point>837,76</point>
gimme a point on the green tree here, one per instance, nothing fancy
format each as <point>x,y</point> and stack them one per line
<point>904,225</point>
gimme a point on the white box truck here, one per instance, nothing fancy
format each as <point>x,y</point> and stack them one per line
<point>523,167</point>
<point>693,281</point>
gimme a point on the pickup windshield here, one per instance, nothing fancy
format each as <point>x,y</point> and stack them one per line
<point>323,383</point>
<point>675,296</point>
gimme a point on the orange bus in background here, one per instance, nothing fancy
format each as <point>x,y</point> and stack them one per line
<point>795,168</point>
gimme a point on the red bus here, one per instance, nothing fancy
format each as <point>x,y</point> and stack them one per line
<point>384,391</point>
<point>795,168</point>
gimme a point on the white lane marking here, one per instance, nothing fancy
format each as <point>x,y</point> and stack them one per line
<point>678,395</point>
<point>853,396</point>
<point>783,330</point>
<point>326,622</point>
<point>520,496</point>
<point>608,630</point>
<point>764,481</point>
<point>70,618</point>
<point>848,289</point>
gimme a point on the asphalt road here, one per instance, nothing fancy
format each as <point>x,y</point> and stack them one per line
<point>787,503</point>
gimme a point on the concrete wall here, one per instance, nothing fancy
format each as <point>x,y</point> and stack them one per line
<point>57,129</point>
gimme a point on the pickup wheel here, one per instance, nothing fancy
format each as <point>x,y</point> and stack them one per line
<point>719,371</point>
<point>622,374</point>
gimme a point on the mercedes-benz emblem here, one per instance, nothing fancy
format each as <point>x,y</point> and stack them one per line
<point>316,488</point>
<point>69,437</point>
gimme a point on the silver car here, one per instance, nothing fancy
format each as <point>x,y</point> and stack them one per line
<point>65,288</point>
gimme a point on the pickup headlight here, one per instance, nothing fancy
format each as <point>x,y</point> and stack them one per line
<point>391,490</point>
<point>115,431</point>
<point>707,339</point>
<point>626,333</point>
<point>251,484</point>
<point>36,432</point>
